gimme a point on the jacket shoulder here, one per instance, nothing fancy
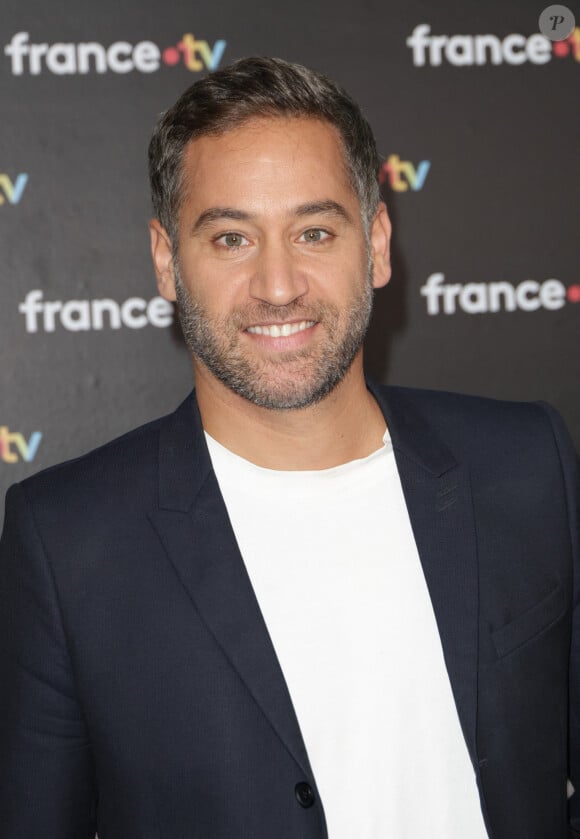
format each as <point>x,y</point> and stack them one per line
<point>478,427</point>
<point>112,471</point>
<point>442,406</point>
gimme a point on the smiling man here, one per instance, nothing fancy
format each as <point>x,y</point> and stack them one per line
<point>303,605</point>
<point>273,264</point>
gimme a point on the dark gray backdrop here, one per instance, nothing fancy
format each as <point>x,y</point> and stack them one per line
<point>495,144</point>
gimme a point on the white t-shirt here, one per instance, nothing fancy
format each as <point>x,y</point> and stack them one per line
<point>334,565</point>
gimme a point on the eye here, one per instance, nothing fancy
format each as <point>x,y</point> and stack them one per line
<point>315,235</point>
<point>231,240</point>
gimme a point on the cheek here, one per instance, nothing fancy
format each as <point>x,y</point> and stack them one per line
<point>211,284</point>
<point>348,278</point>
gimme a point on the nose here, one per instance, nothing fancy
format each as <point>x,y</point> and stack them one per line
<point>278,278</point>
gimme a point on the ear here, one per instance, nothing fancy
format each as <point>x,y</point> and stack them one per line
<point>162,254</point>
<point>380,240</point>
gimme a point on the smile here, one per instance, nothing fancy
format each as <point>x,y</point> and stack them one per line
<point>281,330</point>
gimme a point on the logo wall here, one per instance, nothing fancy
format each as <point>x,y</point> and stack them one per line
<point>478,50</point>
<point>477,298</point>
<point>69,59</point>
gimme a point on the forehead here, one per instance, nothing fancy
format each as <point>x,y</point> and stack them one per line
<point>268,160</point>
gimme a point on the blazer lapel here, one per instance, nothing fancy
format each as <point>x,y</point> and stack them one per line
<point>193,525</point>
<point>438,497</point>
<point>195,530</point>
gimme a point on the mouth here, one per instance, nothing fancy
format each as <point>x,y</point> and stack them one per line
<point>280,330</point>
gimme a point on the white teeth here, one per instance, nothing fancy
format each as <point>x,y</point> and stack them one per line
<point>283,329</point>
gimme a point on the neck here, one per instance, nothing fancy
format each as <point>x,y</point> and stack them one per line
<point>346,425</point>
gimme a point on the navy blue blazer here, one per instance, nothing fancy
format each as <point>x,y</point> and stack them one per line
<point>140,694</point>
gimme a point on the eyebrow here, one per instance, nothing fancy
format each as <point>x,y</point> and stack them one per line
<point>218,213</point>
<point>330,208</point>
<point>311,208</point>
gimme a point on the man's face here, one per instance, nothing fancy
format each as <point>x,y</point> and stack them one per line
<point>273,277</point>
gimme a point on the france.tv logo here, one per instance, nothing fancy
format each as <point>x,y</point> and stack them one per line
<point>11,189</point>
<point>70,59</point>
<point>475,298</point>
<point>462,50</point>
<point>402,175</point>
<point>15,447</point>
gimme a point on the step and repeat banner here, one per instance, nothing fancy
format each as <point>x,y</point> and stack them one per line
<point>477,121</point>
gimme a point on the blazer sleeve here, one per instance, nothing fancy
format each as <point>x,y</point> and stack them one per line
<point>571,471</point>
<point>47,783</point>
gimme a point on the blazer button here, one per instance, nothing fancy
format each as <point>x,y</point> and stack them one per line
<point>304,794</point>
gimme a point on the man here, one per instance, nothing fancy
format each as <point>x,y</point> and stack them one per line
<point>302,605</point>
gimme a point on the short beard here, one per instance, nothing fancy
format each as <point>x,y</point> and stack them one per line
<point>315,374</point>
